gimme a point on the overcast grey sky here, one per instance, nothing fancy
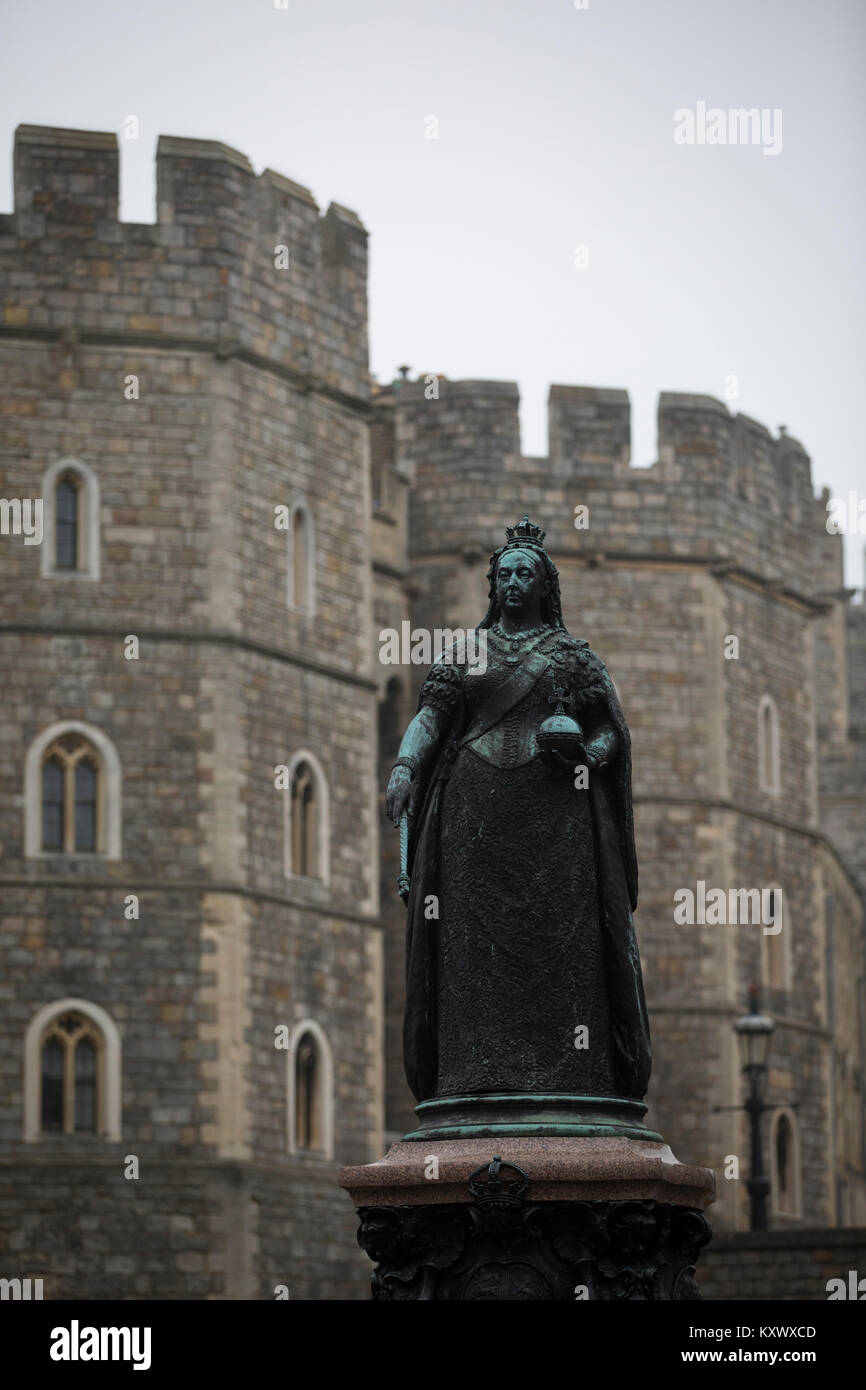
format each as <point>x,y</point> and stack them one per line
<point>555,130</point>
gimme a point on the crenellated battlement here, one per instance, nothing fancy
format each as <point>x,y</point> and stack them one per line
<point>723,491</point>
<point>244,262</point>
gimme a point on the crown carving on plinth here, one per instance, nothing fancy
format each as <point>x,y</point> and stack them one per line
<point>525,533</point>
<point>488,1186</point>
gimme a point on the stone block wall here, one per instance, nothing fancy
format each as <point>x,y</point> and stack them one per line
<point>721,537</point>
<point>756,1266</point>
<point>251,392</point>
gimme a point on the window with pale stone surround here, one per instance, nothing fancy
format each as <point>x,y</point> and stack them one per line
<point>785,1176</point>
<point>310,1091</point>
<point>70,796</point>
<point>301,570</point>
<point>72,1072</point>
<point>72,792</point>
<point>776,946</point>
<point>70,519</point>
<point>307,820</point>
<point>768,746</point>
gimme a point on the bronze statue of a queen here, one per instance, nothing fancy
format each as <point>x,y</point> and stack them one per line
<point>522,972</point>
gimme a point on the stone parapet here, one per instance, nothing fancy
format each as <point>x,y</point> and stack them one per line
<point>236,263</point>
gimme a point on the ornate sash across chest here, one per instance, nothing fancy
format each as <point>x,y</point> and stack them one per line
<point>516,684</point>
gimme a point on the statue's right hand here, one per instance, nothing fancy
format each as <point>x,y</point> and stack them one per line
<point>398,794</point>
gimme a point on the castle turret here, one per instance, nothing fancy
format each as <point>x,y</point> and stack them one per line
<point>187,802</point>
<point>703,582</point>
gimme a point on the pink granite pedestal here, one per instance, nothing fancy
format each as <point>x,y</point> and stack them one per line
<point>558,1169</point>
<point>605,1217</point>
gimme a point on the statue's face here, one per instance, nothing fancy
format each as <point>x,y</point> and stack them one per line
<point>520,583</point>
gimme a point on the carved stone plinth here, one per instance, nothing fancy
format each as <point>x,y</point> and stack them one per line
<point>553,1219</point>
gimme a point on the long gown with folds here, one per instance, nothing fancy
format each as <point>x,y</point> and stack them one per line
<point>529,978</point>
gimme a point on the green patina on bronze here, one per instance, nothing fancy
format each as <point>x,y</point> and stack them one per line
<point>525,993</point>
<point>541,1131</point>
<point>541,1114</point>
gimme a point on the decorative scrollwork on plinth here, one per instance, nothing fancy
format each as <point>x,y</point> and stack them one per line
<point>505,1247</point>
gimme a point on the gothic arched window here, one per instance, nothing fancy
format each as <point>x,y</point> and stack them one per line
<point>72,1070</point>
<point>306,820</point>
<point>308,1119</point>
<point>302,546</point>
<point>776,945</point>
<point>70,796</point>
<point>768,746</point>
<point>304,837</point>
<point>71,1076</point>
<point>72,792</point>
<point>70,493</point>
<point>311,1083</point>
<point>66,522</point>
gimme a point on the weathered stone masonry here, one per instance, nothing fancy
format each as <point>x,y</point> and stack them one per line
<point>254,392</point>
<point>722,536</point>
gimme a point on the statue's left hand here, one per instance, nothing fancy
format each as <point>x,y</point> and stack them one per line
<point>399,794</point>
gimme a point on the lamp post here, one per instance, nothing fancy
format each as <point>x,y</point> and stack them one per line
<point>753,1036</point>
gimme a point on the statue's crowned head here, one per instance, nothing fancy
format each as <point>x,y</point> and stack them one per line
<point>529,538</point>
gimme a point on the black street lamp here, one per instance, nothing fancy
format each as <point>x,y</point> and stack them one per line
<point>753,1036</point>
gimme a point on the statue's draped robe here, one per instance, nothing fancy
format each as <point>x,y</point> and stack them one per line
<point>529,977</point>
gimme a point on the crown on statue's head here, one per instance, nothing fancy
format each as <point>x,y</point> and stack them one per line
<point>525,533</point>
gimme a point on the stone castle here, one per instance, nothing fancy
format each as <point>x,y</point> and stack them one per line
<point>201,941</point>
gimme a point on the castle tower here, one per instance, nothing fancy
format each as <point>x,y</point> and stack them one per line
<point>701,581</point>
<point>191,1042</point>
<point>392,586</point>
